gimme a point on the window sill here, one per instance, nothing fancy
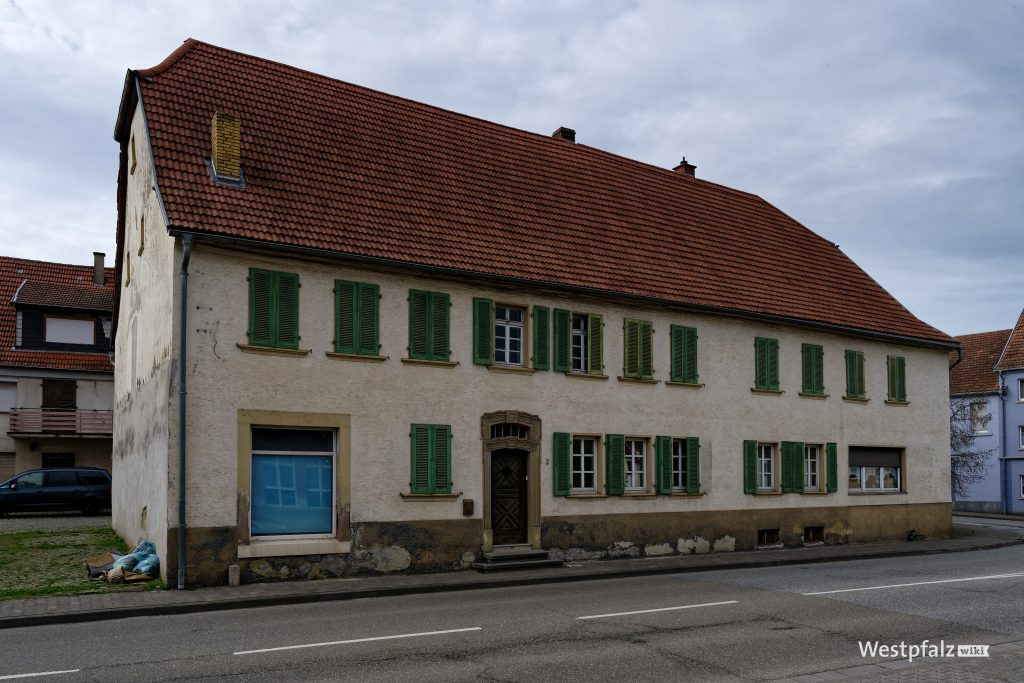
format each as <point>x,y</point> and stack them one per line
<point>814,493</point>
<point>817,397</point>
<point>509,369</point>
<point>680,494</point>
<point>766,392</point>
<point>897,403</point>
<point>638,380</point>
<point>686,385</point>
<point>273,350</point>
<point>436,363</point>
<point>767,493</point>
<point>586,496</point>
<point>355,356</point>
<point>584,375</point>
<point>287,548</point>
<point>854,399</point>
<point>875,493</point>
<point>430,496</point>
<point>639,495</point>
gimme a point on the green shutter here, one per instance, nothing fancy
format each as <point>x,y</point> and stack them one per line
<point>677,357</point>
<point>760,363</point>
<point>861,390</point>
<point>614,464</point>
<point>749,467</point>
<point>595,342</point>
<point>690,374</point>
<point>631,348</point>
<point>692,464</point>
<point>287,310</point>
<point>440,306</point>
<point>441,452</point>
<point>646,332</point>
<point>419,324</point>
<point>773,364</point>
<point>541,337</point>
<point>483,331</point>
<point>792,467</point>
<point>812,365</point>
<point>260,293</point>
<point>901,378</point>
<point>663,463</point>
<point>420,470</point>
<point>345,316</point>
<point>854,374</point>
<point>562,324</point>
<point>561,461</point>
<point>832,468</point>
<point>367,319</point>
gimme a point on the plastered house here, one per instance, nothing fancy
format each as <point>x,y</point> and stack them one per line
<point>56,379</point>
<point>357,333</point>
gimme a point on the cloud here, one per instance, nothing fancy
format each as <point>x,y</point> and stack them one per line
<point>895,129</point>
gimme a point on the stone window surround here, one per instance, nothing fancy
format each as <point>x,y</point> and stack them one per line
<point>341,543</point>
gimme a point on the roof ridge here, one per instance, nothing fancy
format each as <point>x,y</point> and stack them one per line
<point>50,263</point>
<point>170,59</point>
<point>1017,328</point>
<point>978,334</point>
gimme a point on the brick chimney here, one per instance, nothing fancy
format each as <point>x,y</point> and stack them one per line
<point>226,147</point>
<point>687,168</point>
<point>99,275</point>
<point>564,133</point>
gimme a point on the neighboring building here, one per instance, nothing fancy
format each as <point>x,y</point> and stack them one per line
<point>56,378</point>
<point>410,336</point>
<point>990,377</point>
<point>974,380</point>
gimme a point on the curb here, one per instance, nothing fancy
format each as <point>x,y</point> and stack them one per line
<point>106,614</point>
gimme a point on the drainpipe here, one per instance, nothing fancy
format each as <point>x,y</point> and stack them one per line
<point>186,241</point>
<point>1004,494</point>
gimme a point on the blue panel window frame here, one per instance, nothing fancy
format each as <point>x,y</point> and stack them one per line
<point>292,490</point>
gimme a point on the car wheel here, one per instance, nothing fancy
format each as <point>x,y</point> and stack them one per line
<point>90,508</point>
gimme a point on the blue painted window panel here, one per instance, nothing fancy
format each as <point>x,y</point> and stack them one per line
<point>292,494</point>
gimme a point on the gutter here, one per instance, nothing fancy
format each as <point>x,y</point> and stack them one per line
<point>576,289</point>
<point>186,254</point>
<point>1004,492</point>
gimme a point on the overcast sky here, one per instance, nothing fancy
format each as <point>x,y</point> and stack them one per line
<point>895,129</point>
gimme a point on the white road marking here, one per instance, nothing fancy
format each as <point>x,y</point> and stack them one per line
<point>660,609</point>
<point>920,583</point>
<point>358,640</point>
<point>41,673</point>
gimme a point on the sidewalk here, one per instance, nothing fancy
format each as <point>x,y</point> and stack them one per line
<point>116,605</point>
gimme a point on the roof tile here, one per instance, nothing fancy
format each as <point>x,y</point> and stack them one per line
<point>976,371</point>
<point>334,166</point>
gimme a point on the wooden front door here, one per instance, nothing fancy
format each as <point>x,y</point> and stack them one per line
<point>508,496</point>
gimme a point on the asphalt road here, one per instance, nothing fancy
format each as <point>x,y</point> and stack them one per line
<point>722,625</point>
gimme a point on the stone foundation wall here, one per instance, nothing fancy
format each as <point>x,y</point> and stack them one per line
<point>450,545</point>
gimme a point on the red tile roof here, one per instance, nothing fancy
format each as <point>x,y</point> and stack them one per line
<point>51,277</point>
<point>334,166</point>
<point>1013,355</point>
<point>976,372</point>
<point>61,295</point>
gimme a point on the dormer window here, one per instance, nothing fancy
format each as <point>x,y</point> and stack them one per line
<point>62,330</point>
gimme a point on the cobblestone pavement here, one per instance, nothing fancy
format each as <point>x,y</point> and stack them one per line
<point>50,521</point>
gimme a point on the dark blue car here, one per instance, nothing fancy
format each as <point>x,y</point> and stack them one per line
<point>59,488</point>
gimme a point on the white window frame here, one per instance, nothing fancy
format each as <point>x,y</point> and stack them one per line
<point>68,330</point>
<point>12,387</point>
<point>980,417</point>
<point>881,488</point>
<point>504,332</point>
<point>812,467</point>
<point>766,467</point>
<point>334,478</point>
<point>580,352</point>
<point>635,477</point>
<point>577,451</point>
<point>1020,390</point>
<point>1020,437</point>
<point>1022,486</point>
<point>679,465</point>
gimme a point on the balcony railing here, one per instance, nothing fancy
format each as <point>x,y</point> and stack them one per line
<point>41,421</point>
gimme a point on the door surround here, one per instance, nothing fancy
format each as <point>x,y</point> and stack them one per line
<point>528,441</point>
